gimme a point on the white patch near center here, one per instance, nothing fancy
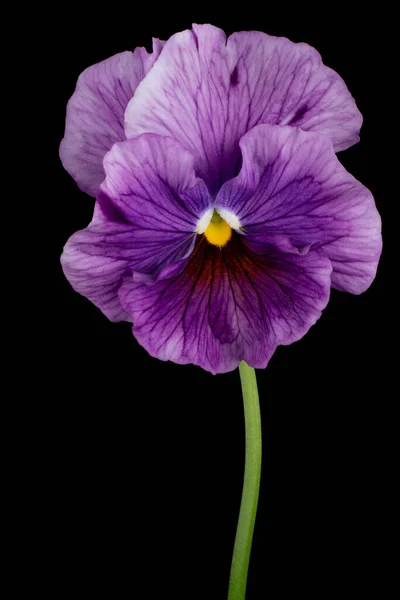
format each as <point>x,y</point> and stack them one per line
<point>229,217</point>
<point>204,221</point>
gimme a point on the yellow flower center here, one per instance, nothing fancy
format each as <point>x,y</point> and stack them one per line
<point>218,231</point>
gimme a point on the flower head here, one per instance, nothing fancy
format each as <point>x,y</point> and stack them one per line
<point>225,218</point>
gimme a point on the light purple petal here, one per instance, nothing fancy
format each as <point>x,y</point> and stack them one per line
<point>93,270</point>
<point>145,219</point>
<point>95,113</point>
<point>293,192</point>
<point>228,305</point>
<point>206,92</point>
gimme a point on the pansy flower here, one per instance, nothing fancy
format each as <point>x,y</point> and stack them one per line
<point>222,216</point>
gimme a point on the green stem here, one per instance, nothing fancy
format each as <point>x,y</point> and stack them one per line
<point>251,485</point>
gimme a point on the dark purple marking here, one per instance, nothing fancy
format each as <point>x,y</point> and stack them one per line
<point>235,76</point>
<point>109,210</point>
<point>238,165</point>
<point>299,115</point>
<point>195,38</point>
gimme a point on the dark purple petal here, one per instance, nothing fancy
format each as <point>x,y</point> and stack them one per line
<point>228,305</point>
<point>151,184</point>
<point>145,219</point>
<point>293,192</point>
<point>206,92</point>
<point>95,113</point>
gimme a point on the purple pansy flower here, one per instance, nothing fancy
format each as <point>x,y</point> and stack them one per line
<point>225,217</point>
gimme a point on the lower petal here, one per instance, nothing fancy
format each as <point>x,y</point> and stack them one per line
<point>228,305</point>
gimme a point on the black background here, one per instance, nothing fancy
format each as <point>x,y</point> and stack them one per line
<point>142,461</point>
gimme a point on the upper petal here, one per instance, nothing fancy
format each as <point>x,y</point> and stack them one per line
<point>293,192</point>
<point>95,113</point>
<point>207,91</point>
